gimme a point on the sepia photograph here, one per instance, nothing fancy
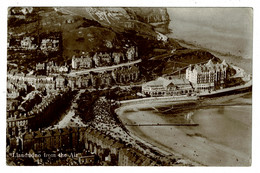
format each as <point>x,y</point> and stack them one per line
<point>129,86</point>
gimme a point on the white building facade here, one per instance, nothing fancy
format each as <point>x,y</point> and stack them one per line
<point>207,77</point>
<point>164,87</point>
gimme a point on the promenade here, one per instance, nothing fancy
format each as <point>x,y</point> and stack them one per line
<point>225,90</point>
<point>158,100</point>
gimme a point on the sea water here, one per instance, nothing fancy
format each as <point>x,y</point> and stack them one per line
<point>226,30</point>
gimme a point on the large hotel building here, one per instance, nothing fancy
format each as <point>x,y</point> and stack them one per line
<point>207,77</point>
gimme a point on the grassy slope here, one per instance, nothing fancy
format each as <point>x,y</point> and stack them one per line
<point>114,18</point>
<point>182,57</point>
<point>90,39</point>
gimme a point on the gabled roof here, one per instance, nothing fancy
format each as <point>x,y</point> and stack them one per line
<point>170,84</point>
<point>210,66</point>
<point>224,62</point>
<point>158,82</point>
<point>65,131</point>
<point>198,68</point>
<point>210,63</point>
<point>165,82</point>
<point>56,132</point>
<point>48,133</point>
<point>28,136</point>
<point>38,134</point>
<point>179,81</point>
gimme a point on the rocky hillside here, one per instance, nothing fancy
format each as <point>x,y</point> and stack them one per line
<point>157,17</point>
<point>143,20</point>
<point>93,29</point>
<point>101,30</point>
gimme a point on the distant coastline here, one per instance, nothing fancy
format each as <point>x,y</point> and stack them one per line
<point>225,30</point>
<point>244,63</point>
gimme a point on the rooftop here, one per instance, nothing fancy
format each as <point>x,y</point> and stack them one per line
<point>165,82</point>
<point>209,66</point>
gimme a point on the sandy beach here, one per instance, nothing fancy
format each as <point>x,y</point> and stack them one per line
<point>193,143</point>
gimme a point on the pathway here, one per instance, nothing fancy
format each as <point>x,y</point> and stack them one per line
<point>106,68</point>
<point>70,120</point>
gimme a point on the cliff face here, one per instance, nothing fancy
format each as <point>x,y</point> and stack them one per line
<point>149,15</point>
<point>156,17</point>
<point>142,20</point>
<point>139,25</point>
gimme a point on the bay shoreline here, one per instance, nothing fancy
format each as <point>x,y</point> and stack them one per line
<point>183,141</point>
<point>180,140</point>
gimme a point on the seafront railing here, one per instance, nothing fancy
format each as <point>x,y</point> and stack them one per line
<point>225,90</point>
<point>160,99</point>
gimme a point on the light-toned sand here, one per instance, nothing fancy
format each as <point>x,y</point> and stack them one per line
<point>175,139</point>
